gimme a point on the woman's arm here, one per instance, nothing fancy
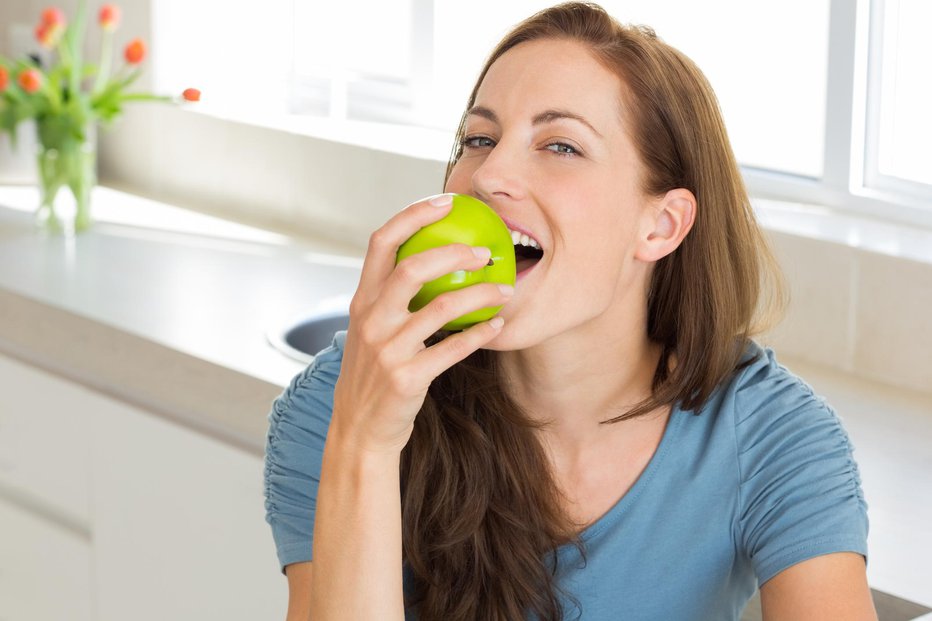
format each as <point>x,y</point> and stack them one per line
<point>299,591</point>
<point>385,374</point>
<point>357,536</point>
<point>825,588</point>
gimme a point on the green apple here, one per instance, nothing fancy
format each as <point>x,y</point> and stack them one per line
<point>472,222</point>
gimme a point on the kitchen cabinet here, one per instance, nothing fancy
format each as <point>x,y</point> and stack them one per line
<point>126,513</point>
<point>44,441</point>
<point>45,546</point>
<point>179,524</point>
<point>45,568</point>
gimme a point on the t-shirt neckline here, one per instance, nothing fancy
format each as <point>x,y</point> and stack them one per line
<point>674,421</point>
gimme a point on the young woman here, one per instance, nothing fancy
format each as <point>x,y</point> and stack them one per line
<point>617,447</point>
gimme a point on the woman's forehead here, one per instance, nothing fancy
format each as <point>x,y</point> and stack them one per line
<point>547,74</point>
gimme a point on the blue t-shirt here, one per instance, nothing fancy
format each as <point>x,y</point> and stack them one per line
<point>759,479</point>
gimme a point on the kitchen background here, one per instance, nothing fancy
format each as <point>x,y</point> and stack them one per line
<point>135,363</point>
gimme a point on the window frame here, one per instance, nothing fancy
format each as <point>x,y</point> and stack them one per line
<point>873,178</point>
<point>851,181</point>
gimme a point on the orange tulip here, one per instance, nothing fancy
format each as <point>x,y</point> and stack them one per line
<point>42,34</point>
<point>109,17</point>
<point>48,33</point>
<point>51,28</point>
<point>135,52</point>
<point>30,80</point>
<point>191,94</point>
<point>4,78</point>
<point>53,15</point>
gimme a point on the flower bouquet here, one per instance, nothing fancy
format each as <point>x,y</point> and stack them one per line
<point>68,100</point>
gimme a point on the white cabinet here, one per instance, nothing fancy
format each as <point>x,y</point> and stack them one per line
<point>179,525</point>
<point>45,542</point>
<point>111,513</point>
<point>45,569</point>
<point>44,439</point>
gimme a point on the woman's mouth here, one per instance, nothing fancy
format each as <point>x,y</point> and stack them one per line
<point>527,252</point>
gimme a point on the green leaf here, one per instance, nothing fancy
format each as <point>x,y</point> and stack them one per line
<point>131,78</point>
<point>144,97</point>
<point>113,89</point>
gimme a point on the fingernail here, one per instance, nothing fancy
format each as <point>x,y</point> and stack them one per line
<point>506,289</point>
<point>482,252</point>
<point>496,322</point>
<point>441,200</point>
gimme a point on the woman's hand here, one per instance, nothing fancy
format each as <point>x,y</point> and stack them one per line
<point>386,367</point>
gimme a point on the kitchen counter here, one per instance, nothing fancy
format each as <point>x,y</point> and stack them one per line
<point>163,308</point>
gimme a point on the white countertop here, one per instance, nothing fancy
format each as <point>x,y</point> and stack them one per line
<point>172,318</point>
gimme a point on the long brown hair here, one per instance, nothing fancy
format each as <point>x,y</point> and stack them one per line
<point>481,510</point>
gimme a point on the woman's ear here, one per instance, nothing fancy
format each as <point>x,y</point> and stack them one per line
<point>665,223</point>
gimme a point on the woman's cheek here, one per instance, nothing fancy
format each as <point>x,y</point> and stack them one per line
<point>459,180</point>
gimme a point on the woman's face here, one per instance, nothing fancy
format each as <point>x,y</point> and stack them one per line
<point>546,147</point>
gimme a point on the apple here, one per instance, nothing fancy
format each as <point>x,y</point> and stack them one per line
<point>472,222</point>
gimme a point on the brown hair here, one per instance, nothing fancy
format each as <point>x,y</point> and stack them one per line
<point>481,511</point>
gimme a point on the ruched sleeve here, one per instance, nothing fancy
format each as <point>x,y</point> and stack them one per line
<point>298,424</point>
<point>800,491</point>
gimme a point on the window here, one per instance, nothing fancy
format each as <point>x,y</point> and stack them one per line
<point>767,63</point>
<point>241,56</point>
<point>770,77</point>
<point>901,124</point>
<point>354,59</point>
<point>824,100</point>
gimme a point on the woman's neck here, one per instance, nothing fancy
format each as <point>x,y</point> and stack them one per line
<point>574,386</point>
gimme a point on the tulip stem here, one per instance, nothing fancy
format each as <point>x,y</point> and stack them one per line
<point>106,52</point>
<point>75,41</point>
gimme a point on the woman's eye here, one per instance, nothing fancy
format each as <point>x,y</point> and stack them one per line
<point>562,148</point>
<point>477,142</point>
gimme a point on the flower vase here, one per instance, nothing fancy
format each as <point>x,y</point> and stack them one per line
<point>67,158</point>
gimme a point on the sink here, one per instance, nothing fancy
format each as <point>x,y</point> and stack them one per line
<point>303,340</point>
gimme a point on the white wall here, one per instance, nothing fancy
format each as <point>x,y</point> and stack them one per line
<point>857,310</point>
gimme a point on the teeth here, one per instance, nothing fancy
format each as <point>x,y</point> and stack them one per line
<point>524,240</point>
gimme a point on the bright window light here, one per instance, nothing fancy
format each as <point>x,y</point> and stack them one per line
<point>413,62</point>
<point>906,92</point>
<point>766,62</point>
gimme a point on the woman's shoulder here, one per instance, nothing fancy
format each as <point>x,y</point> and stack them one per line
<point>310,392</point>
<point>780,422</point>
<point>324,368</point>
<point>764,388</point>
<point>799,485</point>
<point>298,424</point>
<point>763,411</point>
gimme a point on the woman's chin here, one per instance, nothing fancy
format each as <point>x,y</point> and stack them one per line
<point>506,340</point>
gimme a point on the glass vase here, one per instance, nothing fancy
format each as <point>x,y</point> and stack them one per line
<point>67,158</point>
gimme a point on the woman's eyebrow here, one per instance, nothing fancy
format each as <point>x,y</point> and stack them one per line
<point>547,116</point>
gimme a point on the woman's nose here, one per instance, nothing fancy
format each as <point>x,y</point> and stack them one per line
<point>501,174</point>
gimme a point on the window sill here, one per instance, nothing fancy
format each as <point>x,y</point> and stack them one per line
<point>366,170</point>
<point>806,217</point>
<point>406,140</point>
<point>829,225</point>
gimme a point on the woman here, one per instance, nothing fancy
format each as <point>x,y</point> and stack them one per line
<point>613,445</point>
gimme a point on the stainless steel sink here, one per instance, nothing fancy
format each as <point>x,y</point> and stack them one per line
<point>306,337</point>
